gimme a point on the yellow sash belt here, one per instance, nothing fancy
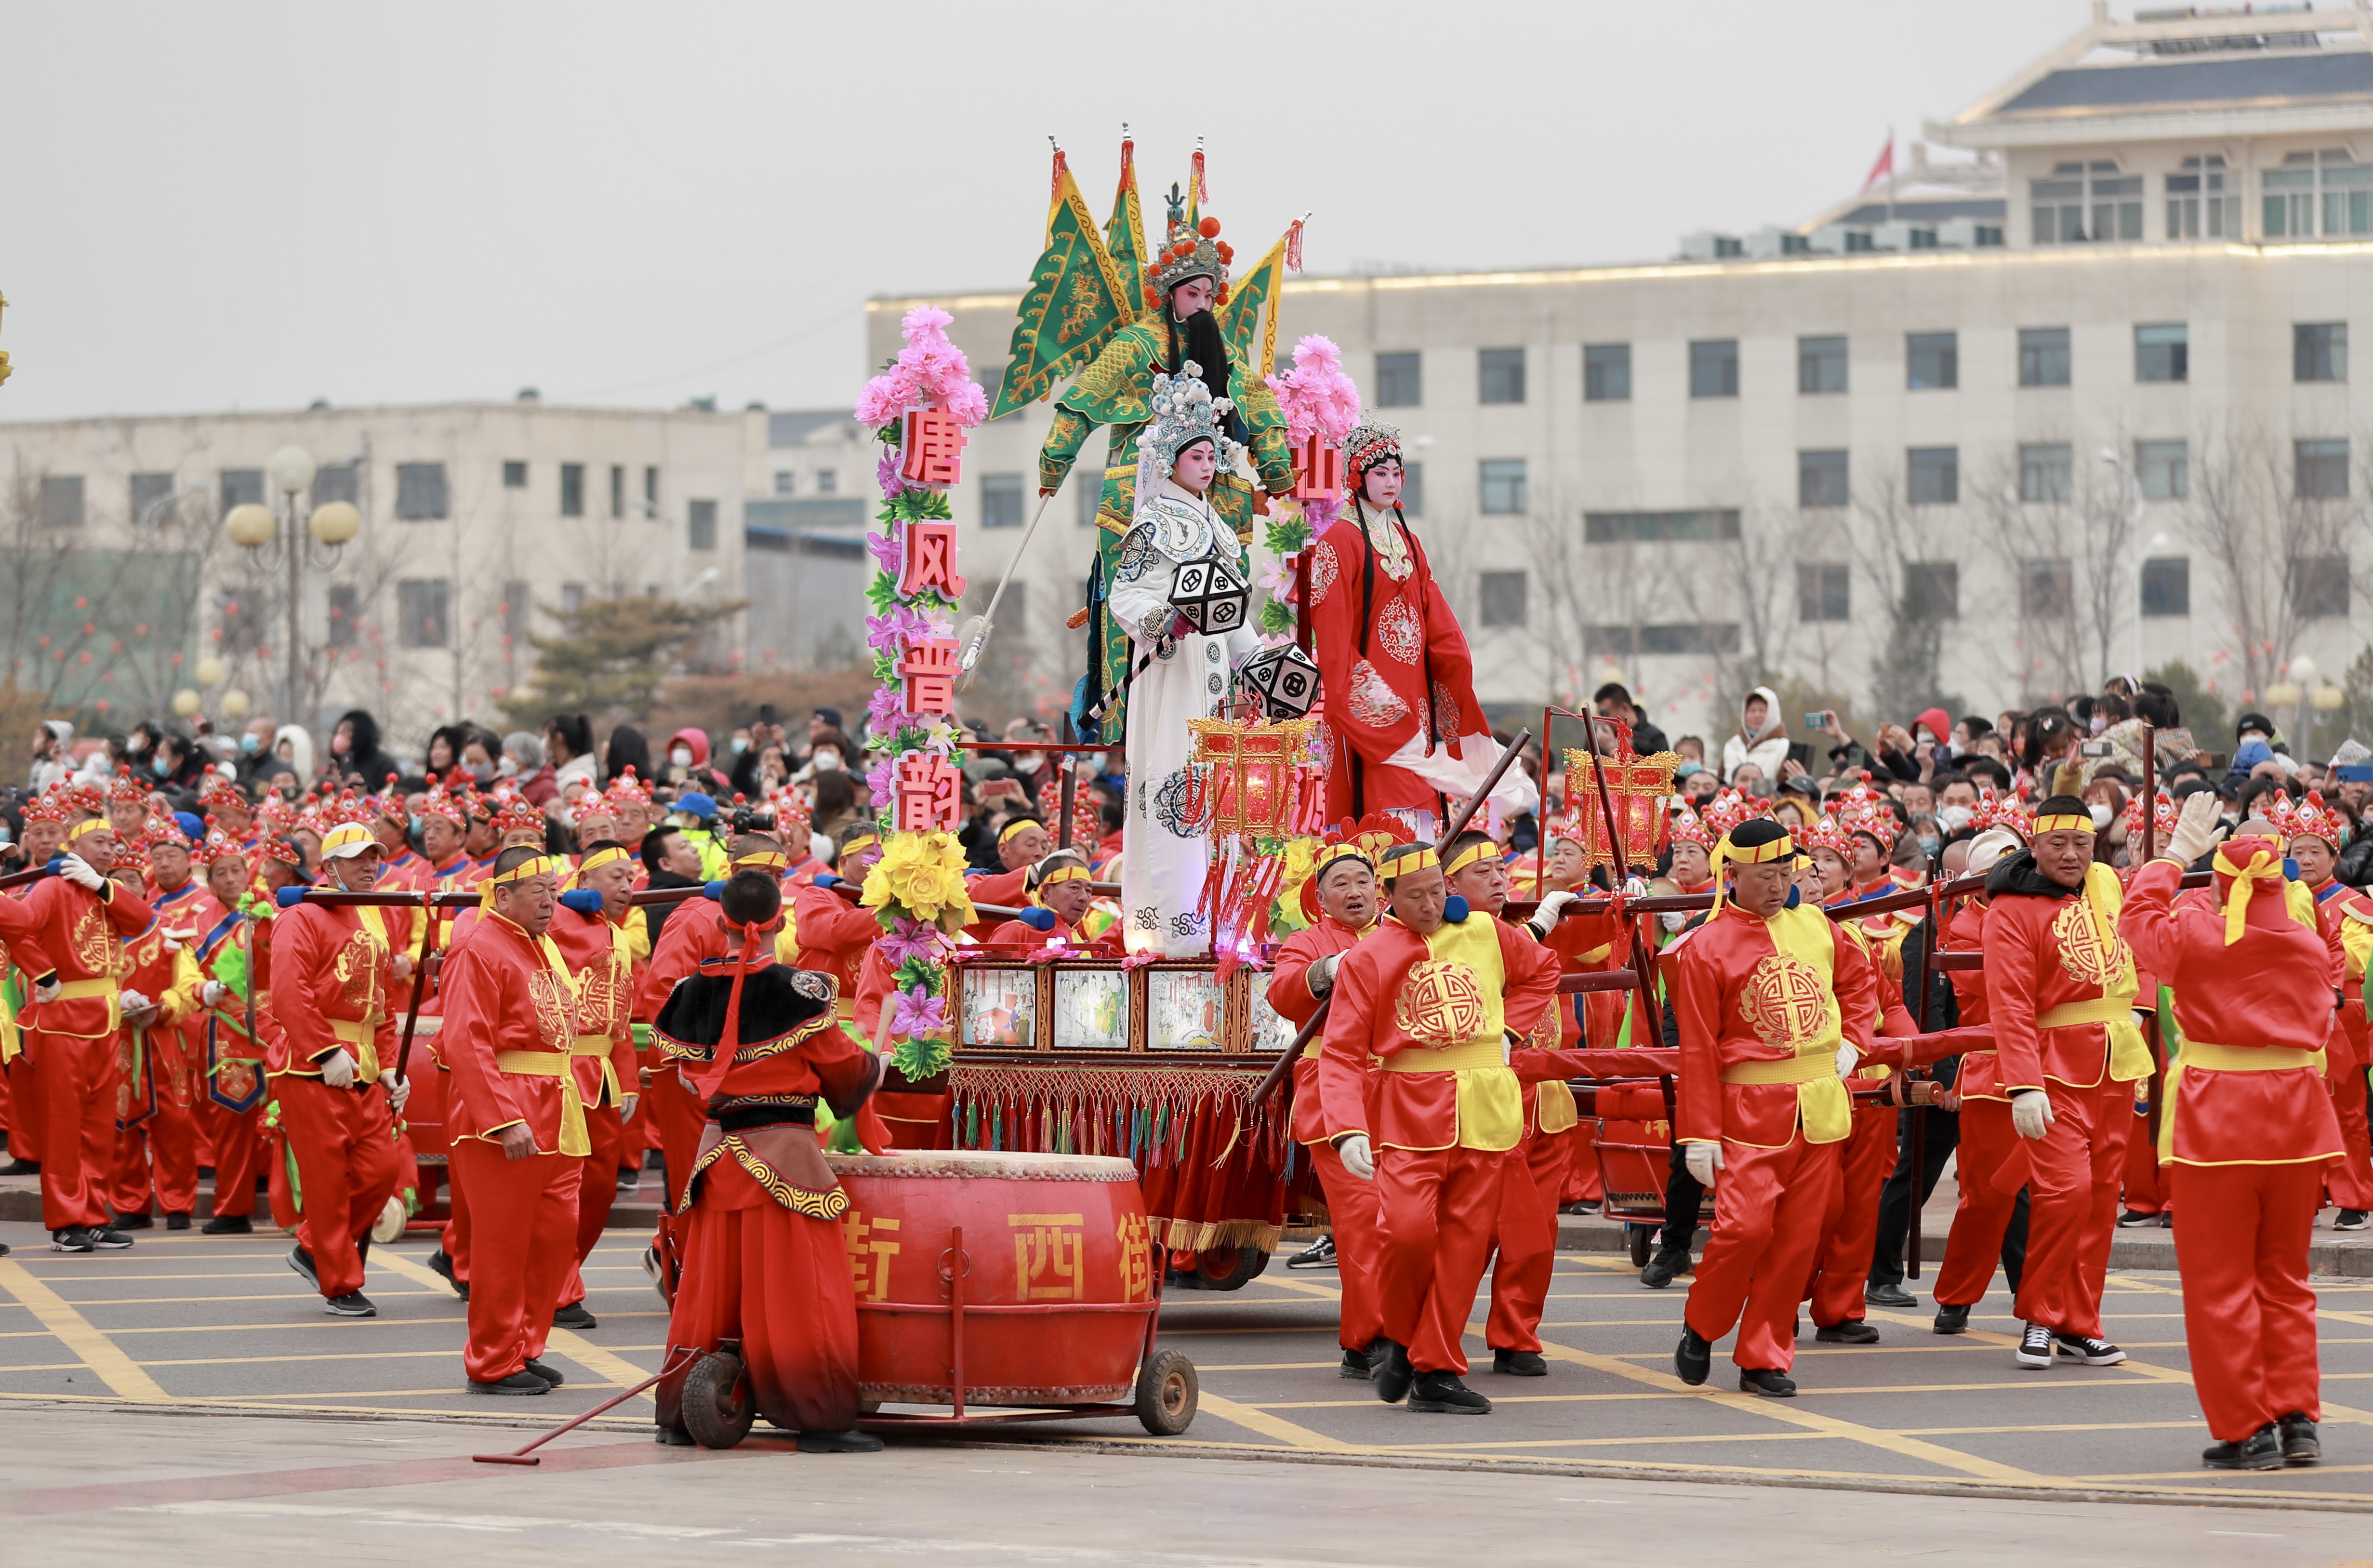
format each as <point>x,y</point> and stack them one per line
<point>1822,1102</point>
<point>2129,1055</point>
<point>364,1039</point>
<point>554,1064</point>
<point>600,1046</point>
<point>104,986</point>
<point>1448,1059</point>
<point>1490,1102</point>
<point>2212,1057</point>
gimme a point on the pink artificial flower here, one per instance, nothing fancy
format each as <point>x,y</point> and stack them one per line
<point>888,549</point>
<point>908,939</point>
<point>917,1012</point>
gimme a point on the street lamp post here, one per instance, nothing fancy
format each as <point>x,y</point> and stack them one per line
<point>2117,460</point>
<point>276,543</point>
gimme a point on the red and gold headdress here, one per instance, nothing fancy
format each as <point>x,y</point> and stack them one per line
<point>438,804</point>
<point>217,846</point>
<point>164,830</point>
<point>1087,828</point>
<point>1825,833</point>
<point>2310,818</point>
<point>127,791</point>
<point>1688,828</point>
<point>519,814</point>
<point>50,806</point>
<point>1190,251</point>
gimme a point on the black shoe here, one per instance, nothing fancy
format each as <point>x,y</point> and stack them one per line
<point>1888,1295</point>
<point>1319,1254</point>
<point>1442,1394</point>
<point>1393,1373</point>
<point>177,1221</point>
<point>517,1383</point>
<point>2089,1351</point>
<point>1693,1357</point>
<point>2302,1444</point>
<point>849,1442</point>
<point>2134,1220</point>
<point>1952,1319</point>
<point>1584,1206</point>
<point>142,1221</point>
<point>1660,1268</point>
<point>75,1238</point>
<point>438,1263</point>
<point>573,1316</point>
<point>675,1437</point>
<point>1357,1364</point>
<point>629,1183</point>
<point>550,1374</point>
<point>109,1240</point>
<point>2353,1219</point>
<point>302,1261</point>
<point>2034,1346</point>
<point>1520,1363</point>
<point>1852,1331</point>
<point>1770,1385</point>
<point>2261,1450</point>
<point>21,1168</point>
<point>227,1226</point>
<point>354,1304</point>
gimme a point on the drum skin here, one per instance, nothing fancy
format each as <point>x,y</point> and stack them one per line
<point>1064,1234</point>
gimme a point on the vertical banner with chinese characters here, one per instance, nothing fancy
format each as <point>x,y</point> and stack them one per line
<point>921,407</point>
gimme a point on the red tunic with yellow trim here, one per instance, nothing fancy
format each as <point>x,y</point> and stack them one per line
<point>1291,997</point>
<point>2271,989</point>
<point>1585,945</point>
<point>2048,953</point>
<point>1446,995</point>
<point>2347,914</point>
<point>833,934</point>
<point>332,973</point>
<point>599,955</point>
<point>1749,990</point>
<point>503,994</point>
<point>81,935</point>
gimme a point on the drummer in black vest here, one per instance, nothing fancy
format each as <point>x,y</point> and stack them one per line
<point>762,1257</point>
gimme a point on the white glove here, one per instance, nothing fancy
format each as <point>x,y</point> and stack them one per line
<point>1704,1160</point>
<point>1551,910</point>
<point>212,995</point>
<point>1673,919</point>
<point>1356,1158</point>
<point>130,1002</point>
<point>80,873</point>
<point>626,1107</point>
<point>2195,830</point>
<point>2030,1113</point>
<point>399,1090</point>
<point>48,992</point>
<point>1847,1057</point>
<point>1321,973</point>
<point>1634,888</point>
<point>338,1071</point>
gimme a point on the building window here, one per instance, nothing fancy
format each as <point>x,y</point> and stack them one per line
<point>786,482</point>
<point>2163,353</point>
<point>1501,375</point>
<point>420,491</point>
<point>1821,479</point>
<point>2047,590</point>
<point>572,598</point>
<point>1607,372</point>
<point>242,487</point>
<point>1935,474</point>
<point>700,525</point>
<point>2045,472</point>
<point>517,601</point>
<point>1400,380</point>
<point>1932,591</point>
<point>1413,488</point>
<point>618,490</point>
<point>1824,591</point>
<point>1660,527</point>
<point>2198,205</point>
<point>2166,586</point>
<point>2043,357</point>
<point>425,606</point>
<point>1688,637</point>
<point>2085,202</point>
<point>2320,585</point>
<point>62,500</point>
<point>2164,470</point>
<point>2319,351</point>
<point>2290,195</point>
<point>1714,367</point>
<point>1503,598</point>
<point>827,482</point>
<point>572,489</point>
<point>337,482</point>
<point>150,490</point>
<point>345,614</point>
<point>2320,470</point>
<point>514,476</point>
<point>1001,500</point>
<point>651,493</point>
<point>1820,364</point>
<point>1503,485</point>
<point>1932,360</point>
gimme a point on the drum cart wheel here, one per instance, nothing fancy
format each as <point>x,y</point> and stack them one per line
<point>1167,1392</point>
<point>1637,1237</point>
<point>718,1406</point>
<point>1230,1267</point>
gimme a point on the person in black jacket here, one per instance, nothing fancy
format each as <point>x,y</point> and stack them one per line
<point>356,753</point>
<point>1613,700</point>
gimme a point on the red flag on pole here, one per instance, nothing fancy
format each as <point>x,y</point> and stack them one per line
<point>1884,166</point>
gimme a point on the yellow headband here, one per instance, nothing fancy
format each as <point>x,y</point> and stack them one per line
<point>2262,867</point>
<point>764,860</point>
<point>1467,857</point>
<point>1019,825</point>
<point>2044,825</point>
<point>1727,853</point>
<point>521,873</point>
<point>1415,860</point>
<point>1063,873</point>
<point>1334,853</point>
<point>90,825</point>
<point>862,841</point>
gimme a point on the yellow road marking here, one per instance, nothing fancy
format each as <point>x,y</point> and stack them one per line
<point>621,1373</point>
<point>99,1353</point>
<point>1267,1425</point>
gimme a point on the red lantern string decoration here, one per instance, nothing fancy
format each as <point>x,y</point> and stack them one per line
<point>1255,783</point>
<point>1639,786</point>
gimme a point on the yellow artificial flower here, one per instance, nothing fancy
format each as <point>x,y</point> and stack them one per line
<point>922,875</point>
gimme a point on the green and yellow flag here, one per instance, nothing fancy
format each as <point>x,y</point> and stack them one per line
<point>1125,235</point>
<point>1249,321</point>
<point>1075,302</point>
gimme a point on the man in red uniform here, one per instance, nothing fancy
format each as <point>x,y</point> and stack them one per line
<point>331,965</point>
<point>230,1104</point>
<point>78,922</point>
<point>1343,888</point>
<point>517,1121</point>
<point>2059,994</point>
<point>1060,897</point>
<point>591,931</point>
<point>45,831</point>
<point>1022,843</point>
<point>833,932</point>
<point>2247,1132</point>
<point>2315,835</point>
<point>157,1137</point>
<point>1774,1007</point>
<point>764,1261</point>
<point>1433,994</point>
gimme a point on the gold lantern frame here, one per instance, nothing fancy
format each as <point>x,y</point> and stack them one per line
<point>1639,786</point>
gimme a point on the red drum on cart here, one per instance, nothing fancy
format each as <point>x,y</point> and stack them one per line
<point>1057,1266</point>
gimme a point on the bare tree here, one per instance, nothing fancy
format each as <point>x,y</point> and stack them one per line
<point>2275,547</point>
<point>1898,550</point>
<point>2066,535</point>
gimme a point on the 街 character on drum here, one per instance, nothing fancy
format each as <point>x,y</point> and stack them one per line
<point>1179,587</point>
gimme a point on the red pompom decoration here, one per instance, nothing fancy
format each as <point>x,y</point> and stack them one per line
<point>1209,228</point>
<point>1227,252</point>
<point>1223,294</point>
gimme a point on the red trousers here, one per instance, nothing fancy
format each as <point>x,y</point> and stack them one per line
<point>344,1141</point>
<point>524,1247</point>
<point>1842,1269</point>
<point>24,1109</point>
<point>2349,1181</point>
<point>597,1190</point>
<point>2143,1179</point>
<point>238,1140</point>
<point>159,1153</point>
<point>1982,1217</point>
<point>676,1113</point>
<point>1438,1209</point>
<point>777,1281</point>
<point>1768,1208</point>
<point>1528,1238</point>
<point>76,1083</point>
<point>1356,1217</point>
<point>2072,1204</point>
<point>456,1241</point>
<point>2242,1234</point>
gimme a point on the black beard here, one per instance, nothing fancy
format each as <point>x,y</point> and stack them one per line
<point>1207,348</point>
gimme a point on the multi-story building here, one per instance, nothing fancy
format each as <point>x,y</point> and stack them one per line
<point>2077,402</point>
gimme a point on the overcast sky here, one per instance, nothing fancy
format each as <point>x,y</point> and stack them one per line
<point>206,206</point>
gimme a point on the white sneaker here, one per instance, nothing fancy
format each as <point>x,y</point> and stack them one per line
<point>2034,1346</point>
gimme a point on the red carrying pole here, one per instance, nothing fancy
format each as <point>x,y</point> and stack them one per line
<point>527,1455</point>
<point>1652,1014</point>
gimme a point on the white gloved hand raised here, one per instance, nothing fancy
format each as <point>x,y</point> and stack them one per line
<point>2030,1113</point>
<point>1847,1059</point>
<point>338,1071</point>
<point>1704,1160</point>
<point>1356,1157</point>
<point>1634,888</point>
<point>81,873</point>
<point>1673,919</point>
<point>1551,910</point>
<point>213,993</point>
<point>2195,830</point>
<point>399,1091</point>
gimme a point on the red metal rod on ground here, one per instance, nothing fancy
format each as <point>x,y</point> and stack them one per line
<point>526,1456</point>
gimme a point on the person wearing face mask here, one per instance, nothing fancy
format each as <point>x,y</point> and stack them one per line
<point>260,761</point>
<point>523,759</point>
<point>687,767</point>
<point>1761,737</point>
<point>569,751</point>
